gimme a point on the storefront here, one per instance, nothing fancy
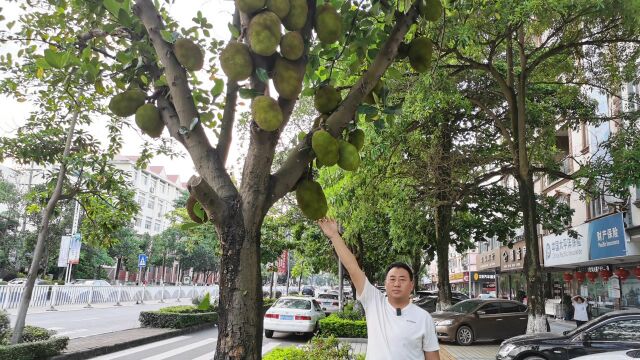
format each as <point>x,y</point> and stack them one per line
<point>459,282</point>
<point>478,282</point>
<point>488,270</point>
<point>601,264</point>
<point>511,281</point>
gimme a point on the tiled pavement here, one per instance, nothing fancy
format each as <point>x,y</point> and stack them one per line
<point>474,352</point>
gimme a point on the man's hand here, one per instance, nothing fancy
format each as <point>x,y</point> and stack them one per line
<point>329,227</point>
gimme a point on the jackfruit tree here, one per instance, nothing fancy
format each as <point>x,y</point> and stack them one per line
<point>141,61</point>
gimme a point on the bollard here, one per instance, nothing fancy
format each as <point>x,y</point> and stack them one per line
<point>179,292</point>
<point>144,289</point>
<point>90,297</point>
<point>162,294</point>
<point>54,295</point>
<point>119,294</point>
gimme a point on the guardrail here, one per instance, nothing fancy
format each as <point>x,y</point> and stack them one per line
<point>51,296</point>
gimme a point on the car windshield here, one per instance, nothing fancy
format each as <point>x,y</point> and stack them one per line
<point>464,307</point>
<point>328,296</point>
<point>584,326</point>
<point>293,304</point>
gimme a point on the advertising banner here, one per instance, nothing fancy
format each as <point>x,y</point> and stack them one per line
<point>513,259</point>
<point>283,262</point>
<point>607,237</point>
<point>63,256</point>
<point>74,249</point>
<point>563,249</point>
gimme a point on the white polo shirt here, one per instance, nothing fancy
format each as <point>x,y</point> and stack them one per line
<point>391,336</point>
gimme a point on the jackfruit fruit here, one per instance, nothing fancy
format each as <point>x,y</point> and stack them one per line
<point>266,113</point>
<point>430,10</point>
<point>195,210</point>
<point>326,99</point>
<point>279,7</point>
<point>235,60</point>
<point>189,54</point>
<point>148,120</point>
<point>326,147</point>
<point>250,6</point>
<point>420,52</point>
<point>126,103</point>
<point>328,24</point>
<point>349,158</point>
<point>403,50</point>
<point>356,138</point>
<point>287,78</point>
<point>292,45</point>
<point>264,33</point>
<point>311,199</point>
<point>297,16</point>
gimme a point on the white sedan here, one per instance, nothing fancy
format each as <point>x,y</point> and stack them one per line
<point>293,314</point>
<point>615,355</point>
<point>329,302</point>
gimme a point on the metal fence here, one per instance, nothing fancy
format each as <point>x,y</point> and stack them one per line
<point>50,296</point>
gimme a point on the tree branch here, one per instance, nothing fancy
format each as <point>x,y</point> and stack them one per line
<point>207,197</point>
<point>283,180</point>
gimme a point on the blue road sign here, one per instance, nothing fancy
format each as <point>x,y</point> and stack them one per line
<point>142,260</point>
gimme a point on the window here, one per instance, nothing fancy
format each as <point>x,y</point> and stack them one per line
<point>163,187</point>
<point>138,222</point>
<point>598,207</point>
<point>152,202</point>
<point>293,304</point>
<point>584,136</point>
<point>621,330</point>
<point>490,309</point>
<point>134,175</point>
<point>157,226</point>
<point>145,179</point>
<point>147,223</point>
<point>141,200</point>
<point>507,307</point>
<point>160,208</point>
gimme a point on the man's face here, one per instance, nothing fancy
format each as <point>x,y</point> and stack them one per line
<point>398,284</point>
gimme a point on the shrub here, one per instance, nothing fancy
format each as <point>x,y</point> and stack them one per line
<point>205,303</point>
<point>338,327</point>
<point>34,350</point>
<point>5,324</point>
<point>317,349</point>
<point>159,319</point>
<point>349,313</point>
<point>267,302</point>
<point>35,333</point>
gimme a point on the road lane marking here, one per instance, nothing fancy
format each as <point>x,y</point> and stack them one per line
<point>207,356</point>
<point>55,328</point>
<point>87,319</point>
<point>182,349</point>
<point>64,333</point>
<point>269,347</point>
<point>140,348</point>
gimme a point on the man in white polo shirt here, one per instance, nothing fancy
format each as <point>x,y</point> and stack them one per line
<point>396,328</point>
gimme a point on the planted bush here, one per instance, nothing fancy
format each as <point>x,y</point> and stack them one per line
<point>178,317</point>
<point>34,350</point>
<point>317,349</point>
<point>333,325</point>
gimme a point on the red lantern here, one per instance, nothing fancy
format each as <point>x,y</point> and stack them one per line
<point>636,271</point>
<point>592,276</point>
<point>580,276</point>
<point>567,277</point>
<point>605,274</point>
<point>622,274</point>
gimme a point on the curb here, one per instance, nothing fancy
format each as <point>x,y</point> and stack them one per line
<point>353,340</point>
<point>93,352</point>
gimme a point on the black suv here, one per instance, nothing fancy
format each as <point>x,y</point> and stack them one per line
<point>617,330</point>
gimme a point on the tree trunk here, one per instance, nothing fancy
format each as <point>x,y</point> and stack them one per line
<point>443,238</point>
<point>47,212</point>
<point>416,266</point>
<point>118,264</point>
<point>240,316</point>
<point>164,267</point>
<point>273,275</point>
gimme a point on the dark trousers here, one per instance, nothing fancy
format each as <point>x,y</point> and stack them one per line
<point>579,323</point>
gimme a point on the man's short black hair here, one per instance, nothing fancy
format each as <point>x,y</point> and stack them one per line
<point>399,264</point>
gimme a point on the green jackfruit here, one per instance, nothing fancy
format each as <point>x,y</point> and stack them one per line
<point>279,7</point>
<point>403,50</point>
<point>420,54</point>
<point>430,10</point>
<point>326,99</point>
<point>349,158</point>
<point>126,103</point>
<point>266,113</point>
<point>292,45</point>
<point>356,138</point>
<point>326,147</point>
<point>250,6</point>
<point>328,24</point>
<point>287,78</point>
<point>189,54</point>
<point>148,120</point>
<point>264,33</point>
<point>196,211</point>
<point>311,199</point>
<point>236,62</point>
<point>297,16</point>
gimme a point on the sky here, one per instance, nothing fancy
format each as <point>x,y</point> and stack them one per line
<point>218,12</point>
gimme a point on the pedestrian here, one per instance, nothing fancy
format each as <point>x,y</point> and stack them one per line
<point>579,310</point>
<point>396,328</point>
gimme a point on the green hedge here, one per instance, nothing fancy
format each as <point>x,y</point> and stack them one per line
<point>34,350</point>
<point>186,309</point>
<point>335,326</point>
<point>288,353</point>
<point>317,349</point>
<point>160,319</point>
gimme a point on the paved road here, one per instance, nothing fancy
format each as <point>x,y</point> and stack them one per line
<point>81,322</point>
<point>196,346</point>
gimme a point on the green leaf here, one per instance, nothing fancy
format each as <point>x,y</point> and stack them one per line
<point>393,109</point>
<point>262,75</point>
<point>189,225</point>
<point>234,30</point>
<point>217,88</point>
<point>55,59</point>
<point>168,36</point>
<point>367,109</point>
<point>199,211</point>
<point>249,93</point>
<point>112,6</point>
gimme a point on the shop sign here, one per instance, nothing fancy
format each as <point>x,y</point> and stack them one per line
<point>607,237</point>
<point>513,259</point>
<point>563,249</point>
<point>489,259</point>
<point>459,277</point>
<point>613,287</point>
<point>482,276</point>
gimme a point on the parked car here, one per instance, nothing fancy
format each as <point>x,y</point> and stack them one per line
<point>293,314</point>
<point>308,290</point>
<point>329,302</point>
<point>90,282</point>
<point>614,355</point>
<point>429,302</point>
<point>476,319</point>
<point>23,281</point>
<point>616,330</point>
<point>421,294</point>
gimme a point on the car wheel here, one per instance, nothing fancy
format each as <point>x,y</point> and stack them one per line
<point>268,334</point>
<point>464,335</point>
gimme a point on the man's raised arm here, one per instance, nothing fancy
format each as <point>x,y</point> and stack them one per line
<point>330,229</point>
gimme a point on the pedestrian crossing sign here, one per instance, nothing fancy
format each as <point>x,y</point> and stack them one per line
<point>142,260</point>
